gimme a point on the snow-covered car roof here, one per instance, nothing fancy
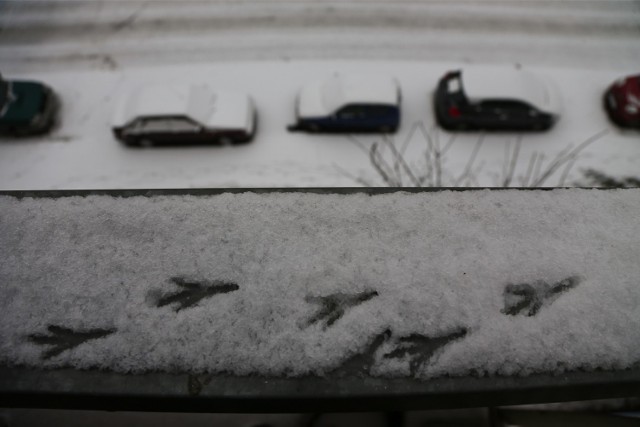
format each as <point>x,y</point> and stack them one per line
<point>321,98</point>
<point>343,89</point>
<point>511,84</point>
<point>199,102</point>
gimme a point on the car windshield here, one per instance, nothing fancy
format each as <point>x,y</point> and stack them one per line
<point>332,96</point>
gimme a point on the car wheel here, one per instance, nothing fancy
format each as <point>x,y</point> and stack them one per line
<point>145,142</point>
<point>541,126</point>
<point>384,129</point>
<point>131,142</point>
<point>243,140</point>
<point>313,127</point>
<point>226,140</point>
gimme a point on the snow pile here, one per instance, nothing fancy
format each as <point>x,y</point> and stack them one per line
<point>425,284</point>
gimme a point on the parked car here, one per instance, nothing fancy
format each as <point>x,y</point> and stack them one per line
<point>184,114</point>
<point>26,107</point>
<point>349,103</point>
<point>510,100</point>
<point>622,102</point>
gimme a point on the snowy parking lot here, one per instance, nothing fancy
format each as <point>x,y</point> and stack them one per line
<point>93,52</point>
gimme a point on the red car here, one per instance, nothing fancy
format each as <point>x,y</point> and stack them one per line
<point>622,102</point>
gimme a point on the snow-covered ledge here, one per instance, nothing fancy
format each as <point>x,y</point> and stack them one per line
<point>296,283</point>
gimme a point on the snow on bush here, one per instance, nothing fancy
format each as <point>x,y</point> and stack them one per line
<point>426,284</point>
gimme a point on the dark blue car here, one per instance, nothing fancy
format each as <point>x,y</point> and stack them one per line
<point>349,103</point>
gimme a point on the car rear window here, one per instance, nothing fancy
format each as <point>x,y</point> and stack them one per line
<point>454,85</point>
<point>380,110</point>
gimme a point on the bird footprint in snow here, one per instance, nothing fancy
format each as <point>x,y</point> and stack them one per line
<point>193,292</point>
<point>62,339</point>
<point>418,349</point>
<point>528,299</point>
<point>421,348</point>
<point>333,307</point>
<point>361,363</point>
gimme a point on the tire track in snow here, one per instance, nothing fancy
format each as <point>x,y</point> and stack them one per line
<point>44,33</point>
<point>145,20</point>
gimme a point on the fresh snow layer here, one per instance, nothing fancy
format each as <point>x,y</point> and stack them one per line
<point>428,284</point>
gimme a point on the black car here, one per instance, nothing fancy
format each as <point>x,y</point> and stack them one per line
<point>512,100</point>
<point>183,113</point>
<point>349,103</point>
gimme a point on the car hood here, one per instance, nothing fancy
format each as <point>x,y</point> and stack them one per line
<point>25,101</point>
<point>310,102</point>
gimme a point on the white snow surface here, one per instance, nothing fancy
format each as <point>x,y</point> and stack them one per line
<point>440,263</point>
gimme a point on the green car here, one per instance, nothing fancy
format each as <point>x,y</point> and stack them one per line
<point>26,108</point>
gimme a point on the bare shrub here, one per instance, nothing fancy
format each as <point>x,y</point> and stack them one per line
<point>388,159</point>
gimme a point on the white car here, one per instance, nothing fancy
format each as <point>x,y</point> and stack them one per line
<point>349,103</point>
<point>183,114</point>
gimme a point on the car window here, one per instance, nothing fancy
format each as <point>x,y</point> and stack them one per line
<point>516,105</point>
<point>182,124</point>
<point>352,112</point>
<point>163,124</point>
<point>364,111</point>
<point>379,110</point>
<point>510,105</point>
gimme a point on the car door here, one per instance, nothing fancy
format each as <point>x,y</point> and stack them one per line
<point>522,115</point>
<point>489,115</point>
<point>350,118</point>
<point>183,130</point>
<point>147,130</point>
<point>502,114</point>
<point>382,117</point>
